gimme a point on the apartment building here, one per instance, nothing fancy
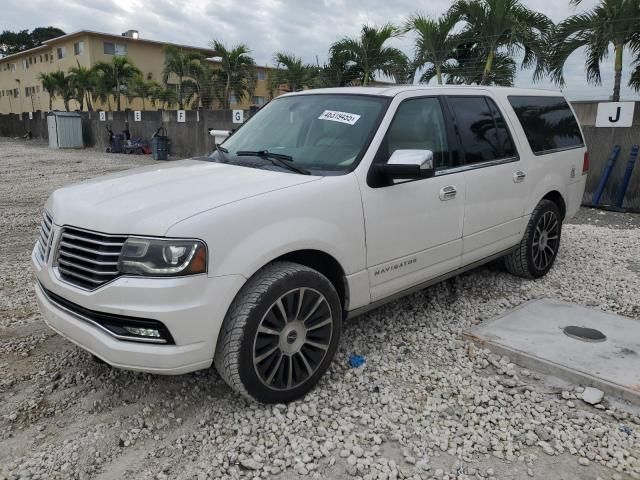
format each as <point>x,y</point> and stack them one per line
<point>21,89</point>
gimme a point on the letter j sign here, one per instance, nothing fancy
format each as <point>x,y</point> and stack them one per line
<point>615,114</point>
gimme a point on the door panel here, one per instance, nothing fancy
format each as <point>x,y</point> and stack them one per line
<point>412,235</point>
<point>495,178</point>
<point>493,211</point>
<point>413,228</point>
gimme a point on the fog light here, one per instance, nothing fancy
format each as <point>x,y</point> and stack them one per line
<point>143,332</point>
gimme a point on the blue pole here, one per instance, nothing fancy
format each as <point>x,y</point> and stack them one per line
<point>622,190</point>
<point>597,195</point>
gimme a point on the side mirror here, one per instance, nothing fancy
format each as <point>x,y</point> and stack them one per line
<point>408,165</point>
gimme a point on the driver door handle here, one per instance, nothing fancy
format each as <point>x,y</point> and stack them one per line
<point>448,193</point>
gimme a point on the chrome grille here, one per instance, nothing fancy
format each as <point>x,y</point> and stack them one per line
<point>44,237</point>
<point>88,259</point>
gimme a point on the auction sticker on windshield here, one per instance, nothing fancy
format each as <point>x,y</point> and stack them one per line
<point>342,117</point>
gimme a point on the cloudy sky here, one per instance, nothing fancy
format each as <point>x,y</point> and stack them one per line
<point>304,27</point>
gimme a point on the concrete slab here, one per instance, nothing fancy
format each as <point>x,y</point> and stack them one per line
<point>531,335</point>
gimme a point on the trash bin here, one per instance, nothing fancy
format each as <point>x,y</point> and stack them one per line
<point>160,145</point>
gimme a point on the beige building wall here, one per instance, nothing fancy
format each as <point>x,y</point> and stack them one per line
<point>20,71</point>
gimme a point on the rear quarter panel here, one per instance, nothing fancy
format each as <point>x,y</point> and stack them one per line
<point>560,171</point>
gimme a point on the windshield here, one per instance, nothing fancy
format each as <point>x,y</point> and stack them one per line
<point>319,132</point>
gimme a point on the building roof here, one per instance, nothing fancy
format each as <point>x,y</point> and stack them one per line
<point>207,51</point>
<point>393,90</point>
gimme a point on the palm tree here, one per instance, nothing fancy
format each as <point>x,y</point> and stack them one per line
<point>504,24</point>
<point>82,80</point>
<point>63,87</point>
<point>337,73</point>
<point>467,67</point>
<point>368,54</point>
<point>181,64</point>
<point>103,88</point>
<point>634,81</point>
<point>142,89</point>
<point>611,22</point>
<point>205,81</point>
<point>291,72</point>
<point>116,75</point>
<point>435,43</point>
<point>236,70</point>
<point>166,97</point>
<point>49,85</point>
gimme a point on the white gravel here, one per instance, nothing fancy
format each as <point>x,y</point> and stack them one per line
<point>426,404</point>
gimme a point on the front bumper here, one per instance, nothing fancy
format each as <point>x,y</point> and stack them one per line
<point>191,308</point>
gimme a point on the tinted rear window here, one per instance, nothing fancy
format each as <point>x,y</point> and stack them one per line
<point>548,123</point>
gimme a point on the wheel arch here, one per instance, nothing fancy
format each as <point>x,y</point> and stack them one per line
<point>556,197</point>
<point>324,263</point>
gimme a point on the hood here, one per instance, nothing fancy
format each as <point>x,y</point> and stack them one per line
<point>149,200</point>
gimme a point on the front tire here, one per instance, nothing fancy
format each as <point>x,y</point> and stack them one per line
<point>539,246</point>
<point>280,334</point>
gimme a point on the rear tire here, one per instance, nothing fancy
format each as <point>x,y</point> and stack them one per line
<point>537,251</point>
<point>280,333</point>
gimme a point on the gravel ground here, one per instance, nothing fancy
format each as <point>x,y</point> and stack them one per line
<point>426,404</point>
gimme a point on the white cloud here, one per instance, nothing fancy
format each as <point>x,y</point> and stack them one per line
<point>305,27</point>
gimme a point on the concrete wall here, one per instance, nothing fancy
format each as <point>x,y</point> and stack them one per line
<point>191,138</point>
<point>600,142</point>
<point>188,139</point>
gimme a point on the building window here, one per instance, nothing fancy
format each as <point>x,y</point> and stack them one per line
<point>25,64</point>
<point>118,49</point>
<point>262,75</point>
<point>46,57</point>
<point>62,51</point>
<point>260,101</point>
<point>121,49</point>
<point>16,92</point>
<point>78,48</point>
<point>13,67</point>
<point>40,58</point>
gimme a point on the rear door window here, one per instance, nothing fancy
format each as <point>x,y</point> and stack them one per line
<point>548,123</point>
<point>482,129</point>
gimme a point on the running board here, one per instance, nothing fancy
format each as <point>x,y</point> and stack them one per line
<point>421,286</point>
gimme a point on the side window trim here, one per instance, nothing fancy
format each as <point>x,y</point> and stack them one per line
<point>489,163</point>
<point>556,150</point>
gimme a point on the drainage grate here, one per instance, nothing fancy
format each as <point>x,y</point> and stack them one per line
<point>584,334</point>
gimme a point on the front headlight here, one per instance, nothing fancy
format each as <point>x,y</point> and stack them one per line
<point>162,257</point>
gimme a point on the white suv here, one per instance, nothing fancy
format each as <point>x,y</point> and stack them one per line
<point>325,204</point>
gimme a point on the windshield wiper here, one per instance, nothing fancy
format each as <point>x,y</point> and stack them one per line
<point>278,159</point>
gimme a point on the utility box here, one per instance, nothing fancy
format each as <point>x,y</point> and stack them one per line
<point>65,130</point>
